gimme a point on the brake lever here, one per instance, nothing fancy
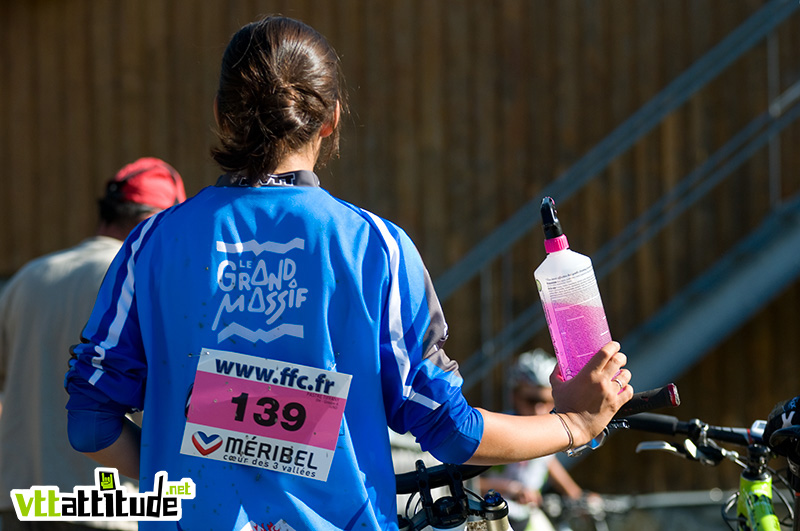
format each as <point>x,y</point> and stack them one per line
<point>594,444</point>
<point>707,454</point>
<point>597,442</point>
<point>664,446</point>
<point>710,453</point>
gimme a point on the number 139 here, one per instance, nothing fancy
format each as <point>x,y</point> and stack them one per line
<point>293,414</point>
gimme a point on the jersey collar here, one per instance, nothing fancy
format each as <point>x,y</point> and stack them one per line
<point>293,178</point>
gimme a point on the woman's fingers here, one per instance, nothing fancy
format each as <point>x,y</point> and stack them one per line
<point>608,361</point>
<point>617,361</point>
<point>622,378</point>
<point>605,355</point>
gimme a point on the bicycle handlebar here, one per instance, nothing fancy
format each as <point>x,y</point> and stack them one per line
<point>437,476</point>
<point>441,475</point>
<point>669,425</point>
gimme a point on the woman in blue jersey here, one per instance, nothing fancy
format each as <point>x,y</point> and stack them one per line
<point>271,332</point>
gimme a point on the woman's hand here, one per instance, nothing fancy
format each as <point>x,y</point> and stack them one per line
<point>595,394</point>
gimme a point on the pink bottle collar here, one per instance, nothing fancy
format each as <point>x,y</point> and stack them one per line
<point>556,244</point>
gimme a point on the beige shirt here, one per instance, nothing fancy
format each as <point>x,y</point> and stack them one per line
<point>43,309</point>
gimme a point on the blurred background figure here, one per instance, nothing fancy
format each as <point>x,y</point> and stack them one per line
<point>522,483</point>
<point>43,309</point>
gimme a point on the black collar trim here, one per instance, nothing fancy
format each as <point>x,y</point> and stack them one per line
<point>294,178</point>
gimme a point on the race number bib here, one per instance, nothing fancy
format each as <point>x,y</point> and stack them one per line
<point>265,413</point>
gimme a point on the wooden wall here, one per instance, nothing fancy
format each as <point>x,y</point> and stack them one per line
<point>462,110</point>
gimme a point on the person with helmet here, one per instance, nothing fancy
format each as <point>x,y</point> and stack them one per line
<point>522,482</point>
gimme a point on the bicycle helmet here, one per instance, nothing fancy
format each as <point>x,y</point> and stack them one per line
<point>533,367</point>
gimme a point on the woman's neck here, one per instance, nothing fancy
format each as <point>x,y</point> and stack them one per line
<point>304,159</point>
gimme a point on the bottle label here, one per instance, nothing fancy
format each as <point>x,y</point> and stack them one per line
<point>575,317</point>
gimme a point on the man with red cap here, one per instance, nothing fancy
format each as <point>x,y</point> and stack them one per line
<point>136,192</point>
<point>43,308</point>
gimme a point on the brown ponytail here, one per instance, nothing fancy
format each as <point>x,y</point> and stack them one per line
<point>279,83</point>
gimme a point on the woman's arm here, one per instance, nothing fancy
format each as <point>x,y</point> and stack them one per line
<point>122,454</point>
<point>586,404</point>
<point>512,438</point>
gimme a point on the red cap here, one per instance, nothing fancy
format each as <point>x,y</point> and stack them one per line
<point>148,181</point>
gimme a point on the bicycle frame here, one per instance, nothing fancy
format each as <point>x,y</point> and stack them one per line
<point>754,506</point>
<point>754,500</point>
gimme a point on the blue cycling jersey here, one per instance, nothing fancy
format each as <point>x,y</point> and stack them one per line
<point>271,334</point>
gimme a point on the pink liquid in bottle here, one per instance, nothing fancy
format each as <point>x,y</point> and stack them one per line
<point>580,331</point>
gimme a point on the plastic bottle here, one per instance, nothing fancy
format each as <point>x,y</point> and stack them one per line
<point>570,297</point>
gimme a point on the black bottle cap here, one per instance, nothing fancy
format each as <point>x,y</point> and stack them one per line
<point>550,223</point>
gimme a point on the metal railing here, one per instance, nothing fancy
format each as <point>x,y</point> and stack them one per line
<point>782,111</point>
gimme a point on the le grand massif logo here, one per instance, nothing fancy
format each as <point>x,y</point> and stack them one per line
<point>106,500</point>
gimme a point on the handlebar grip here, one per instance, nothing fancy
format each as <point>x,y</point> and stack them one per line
<point>660,398</point>
<point>656,423</point>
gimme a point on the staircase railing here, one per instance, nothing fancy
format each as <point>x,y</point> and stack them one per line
<point>782,111</point>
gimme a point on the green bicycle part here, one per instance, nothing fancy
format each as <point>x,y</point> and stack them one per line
<point>754,507</point>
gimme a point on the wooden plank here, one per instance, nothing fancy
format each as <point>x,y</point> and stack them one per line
<point>485,129</point>
<point>153,72</point>
<point>786,371</point>
<point>646,153</point>
<point>213,39</point>
<point>375,101</point>
<point>7,16</point>
<point>408,184</point>
<point>299,9</point>
<point>430,95</point>
<point>788,44</point>
<point>620,175</point>
<point>188,113</point>
<point>48,123</point>
<point>754,195</point>
<point>700,217</point>
<point>594,118</point>
<point>674,146</point>
<point>80,192</point>
<point>458,106</point>
<point>327,23</point>
<point>542,93</point>
<point>349,182</point>
<point>567,85</point>
<point>470,50</point>
<point>104,76</point>
<point>242,12</point>
<point>134,73</point>
<point>542,97</point>
<point>22,115</point>
<point>481,176</point>
<point>511,86</point>
<point>512,183</point>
